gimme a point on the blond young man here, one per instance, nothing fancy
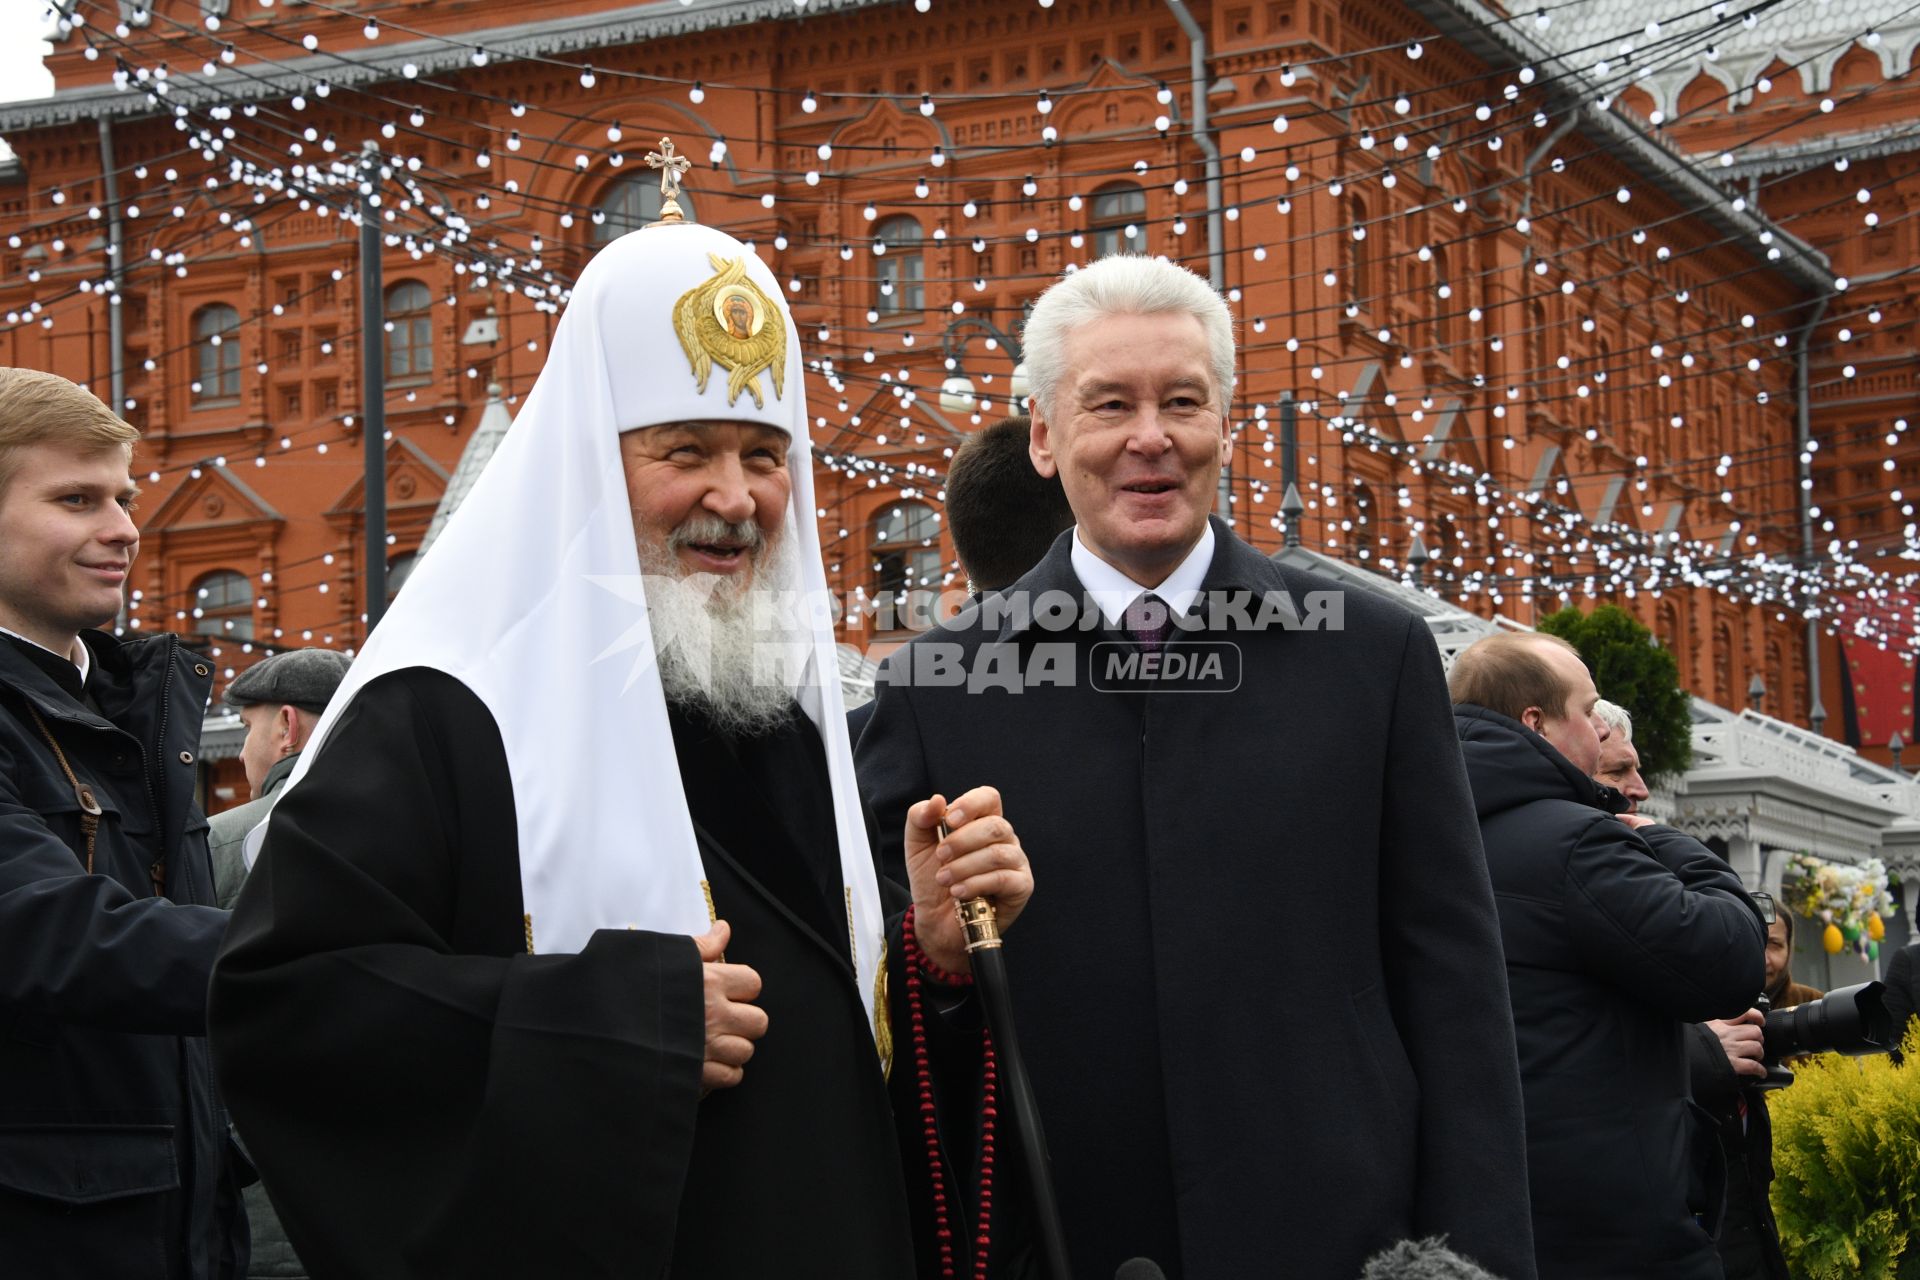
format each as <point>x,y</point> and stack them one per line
<point>114,1148</point>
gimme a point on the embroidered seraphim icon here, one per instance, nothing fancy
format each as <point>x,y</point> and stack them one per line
<point>730,322</point>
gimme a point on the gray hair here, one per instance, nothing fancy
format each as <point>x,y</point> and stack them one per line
<point>1122,284</point>
<point>1615,717</point>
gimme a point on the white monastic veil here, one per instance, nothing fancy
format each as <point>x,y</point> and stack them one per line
<point>531,598</point>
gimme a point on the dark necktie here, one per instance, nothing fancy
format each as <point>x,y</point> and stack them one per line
<point>1148,622</point>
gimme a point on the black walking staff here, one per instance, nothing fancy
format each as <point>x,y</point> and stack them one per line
<point>982,930</point>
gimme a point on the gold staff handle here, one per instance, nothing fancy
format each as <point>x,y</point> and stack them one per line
<point>977,920</point>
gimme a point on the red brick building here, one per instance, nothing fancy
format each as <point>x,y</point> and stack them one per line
<point>1557,352</point>
<point>1815,115</point>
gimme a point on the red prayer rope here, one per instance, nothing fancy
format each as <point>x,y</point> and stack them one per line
<point>919,966</point>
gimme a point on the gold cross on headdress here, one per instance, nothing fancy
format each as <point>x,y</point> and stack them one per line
<point>671,166</point>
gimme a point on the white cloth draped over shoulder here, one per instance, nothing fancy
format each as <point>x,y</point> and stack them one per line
<point>532,598</point>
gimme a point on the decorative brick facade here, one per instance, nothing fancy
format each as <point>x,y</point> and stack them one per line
<point>1448,379</point>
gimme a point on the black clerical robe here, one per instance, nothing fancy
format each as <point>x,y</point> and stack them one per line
<point>425,1099</point>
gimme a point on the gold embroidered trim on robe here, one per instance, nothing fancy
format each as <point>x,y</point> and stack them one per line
<point>882,1019</point>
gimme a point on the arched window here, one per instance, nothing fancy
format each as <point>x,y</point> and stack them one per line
<point>906,550</point>
<point>1537,345</point>
<point>409,330</point>
<point>1797,709</point>
<point>216,349</point>
<point>1442,540</point>
<point>632,203</point>
<point>1611,423</point>
<point>1777,704</point>
<point>1723,664</point>
<point>900,267</point>
<point>1119,214</point>
<point>1448,299</point>
<point>1362,518</point>
<point>223,605</point>
<point>399,569</point>
<point>1669,629</point>
<point>1360,273</point>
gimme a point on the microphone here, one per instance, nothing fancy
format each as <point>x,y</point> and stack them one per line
<point>1408,1260</point>
<point>1428,1259</point>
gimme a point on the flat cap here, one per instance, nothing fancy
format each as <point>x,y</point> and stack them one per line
<point>302,677</point>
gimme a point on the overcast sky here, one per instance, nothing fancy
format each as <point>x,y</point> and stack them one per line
<point>22,23</point>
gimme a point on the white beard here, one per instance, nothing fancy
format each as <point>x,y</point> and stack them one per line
<point>724,650</point>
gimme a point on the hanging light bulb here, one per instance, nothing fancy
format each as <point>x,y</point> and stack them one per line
<point>956,393</point>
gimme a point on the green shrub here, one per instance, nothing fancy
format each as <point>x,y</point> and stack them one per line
<point>1846,1158</point>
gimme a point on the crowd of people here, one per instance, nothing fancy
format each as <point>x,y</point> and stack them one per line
<point>593,937</point>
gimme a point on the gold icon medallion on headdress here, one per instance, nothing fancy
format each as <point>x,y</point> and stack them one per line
<point>731,322</point>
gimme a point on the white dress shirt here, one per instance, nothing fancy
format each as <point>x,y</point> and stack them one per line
<point>84,661</point>
<point>1113,591</point>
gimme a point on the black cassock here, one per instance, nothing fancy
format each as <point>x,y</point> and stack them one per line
<point>425,1099</point>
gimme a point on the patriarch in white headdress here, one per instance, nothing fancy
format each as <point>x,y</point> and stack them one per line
<point>537,598</point>
<point>476,1011</point>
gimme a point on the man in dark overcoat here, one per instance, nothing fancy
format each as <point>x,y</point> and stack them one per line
<point>1274,1026</point>
<point>114,1155</point>
<point>1618,932</point>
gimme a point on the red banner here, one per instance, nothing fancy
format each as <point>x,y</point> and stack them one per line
<point>1881,680</point>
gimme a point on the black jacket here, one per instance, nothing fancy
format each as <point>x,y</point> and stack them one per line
<point>1259,988</point>
<point>114,1158</point>
<point>1749,1239</point>
<point>1615,940</point>
<point>1903,990</point>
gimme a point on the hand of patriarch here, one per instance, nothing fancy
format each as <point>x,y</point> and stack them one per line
<point>733,1022</point>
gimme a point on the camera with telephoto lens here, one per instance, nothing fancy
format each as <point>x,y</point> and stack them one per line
<point>1853,1021</point>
